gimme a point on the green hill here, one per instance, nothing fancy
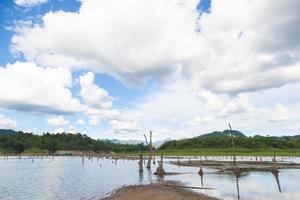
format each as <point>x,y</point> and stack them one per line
<point>222,139</point>
<point>18,142</point>
<point>4,132</point>
<point>235,133</point>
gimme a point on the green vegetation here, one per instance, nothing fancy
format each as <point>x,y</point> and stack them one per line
<point>213,144</point>
<point>241,142</point>
<point>12,142</point>
<point>219,143</point>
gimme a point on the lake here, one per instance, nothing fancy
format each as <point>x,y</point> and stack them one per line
<point>46,178</point>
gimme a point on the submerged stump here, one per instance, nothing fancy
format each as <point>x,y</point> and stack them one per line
<point>201,170</point>
<point>141,163</point>
<point>160,170</point>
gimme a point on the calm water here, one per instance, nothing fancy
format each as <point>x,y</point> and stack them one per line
<point>70,178</point>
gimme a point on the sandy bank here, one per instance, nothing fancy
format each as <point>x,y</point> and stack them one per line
<point>157,191</point>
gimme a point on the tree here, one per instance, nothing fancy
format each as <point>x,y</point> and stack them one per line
<point>149,149</point>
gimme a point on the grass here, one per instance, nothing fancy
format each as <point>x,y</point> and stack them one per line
<point>221,152</point>
<point>35,151</point>
<point>28,152</point>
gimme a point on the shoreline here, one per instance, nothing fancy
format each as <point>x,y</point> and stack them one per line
<point>165,190</point>
<point>244,166</point>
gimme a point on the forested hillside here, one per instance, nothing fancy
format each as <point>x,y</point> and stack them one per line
<point>17,142</point>
<point>223,140</point>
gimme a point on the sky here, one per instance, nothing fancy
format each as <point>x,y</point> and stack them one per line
<point>119,68</point>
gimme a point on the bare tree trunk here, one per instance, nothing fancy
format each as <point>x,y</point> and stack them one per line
<point>141,163</point>
<point>160,170</point>
<point>149,149</point>
<point>233,146</point>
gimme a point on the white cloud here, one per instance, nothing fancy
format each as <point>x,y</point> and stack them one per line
<point>7,123</point>
<point>29,3</point>
<point>136,39</point>
<point>198,121</point>
<point>93,95</point>
<point>57,121</point>
<point>225,105</point>
<point>125,126</point>
<point>130,40</point>
<point>220,73</point>
<point>280,114</point>
<point>27,87</point>
<point>72,129</point>
<point>241,54</point>
<point>295,127</point>
<point>97,115</point>
<point>80,122</point>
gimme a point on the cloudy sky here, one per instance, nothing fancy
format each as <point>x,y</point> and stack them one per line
<point>117,68</point>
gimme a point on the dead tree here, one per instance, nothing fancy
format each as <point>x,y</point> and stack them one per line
<point>149,149</point>
<point>236,169</point>
<point>160,169</point>
<point>233,146</point>
<point>141,163</point>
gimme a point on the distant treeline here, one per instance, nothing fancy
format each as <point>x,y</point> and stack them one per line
<point>17,142</point>
<point>256,142</point>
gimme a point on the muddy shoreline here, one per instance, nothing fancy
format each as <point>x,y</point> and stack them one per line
<point>245,166</point>
<point>165,190</point>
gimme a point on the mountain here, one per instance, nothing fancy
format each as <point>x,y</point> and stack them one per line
<point>17,141</point>
<point>4,132</point>
<point>235,133</point>
<point>155,144</point>
<point>160,142</point>
<point>295,137</point>
<point>116,141</point>
<point>222,139</point>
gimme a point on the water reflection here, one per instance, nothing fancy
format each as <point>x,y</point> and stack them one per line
<point>237,174</point>
<point>276,175</point>
<point>201,180</point>
<point>201,173</point>
<point>141,177</point>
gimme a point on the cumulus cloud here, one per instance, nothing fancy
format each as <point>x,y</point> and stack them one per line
<point>295,127</point>
<point>209,64</point>
<point>129,40</point>
<point>80,122</point>
<point>99,107</point>
<point>29,3</point>
<point>125,126</point>
<point>280,114</point>
<point>27,87</point>
<point>97,115</point>
<point>7,123</point>
<point>57,121</point>
<point>225,105</point>
<point>228,50</point>
<point>198,121</point>
<point>93,95</point>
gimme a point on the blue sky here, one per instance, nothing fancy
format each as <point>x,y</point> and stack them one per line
<point>115,69</point>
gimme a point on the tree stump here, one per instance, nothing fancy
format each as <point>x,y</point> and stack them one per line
<point>141,163</point>
<point>149,149</point>
<point>160,170</point>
